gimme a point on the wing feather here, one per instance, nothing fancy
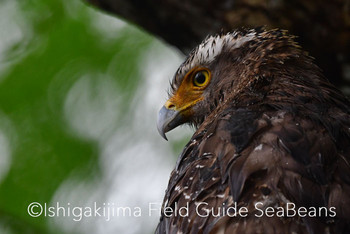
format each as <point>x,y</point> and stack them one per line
<point>273,158</point>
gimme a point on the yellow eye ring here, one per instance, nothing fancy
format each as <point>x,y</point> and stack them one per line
<point>201,78</point>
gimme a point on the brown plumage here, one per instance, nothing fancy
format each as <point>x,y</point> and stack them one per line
<point>270,129</point>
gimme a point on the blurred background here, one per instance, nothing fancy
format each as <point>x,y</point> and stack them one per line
<point>79,95</point>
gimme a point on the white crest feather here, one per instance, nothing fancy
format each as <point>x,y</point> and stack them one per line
<point>207,51</point>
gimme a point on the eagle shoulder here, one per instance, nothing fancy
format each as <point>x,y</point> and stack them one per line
<point>242,157</point>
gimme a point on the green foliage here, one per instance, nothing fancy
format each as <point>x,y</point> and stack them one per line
<point>60,44</point>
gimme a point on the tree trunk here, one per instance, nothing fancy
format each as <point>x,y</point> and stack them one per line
<point>322,27</point>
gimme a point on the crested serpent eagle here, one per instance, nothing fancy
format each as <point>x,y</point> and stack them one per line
<point>271,150</point>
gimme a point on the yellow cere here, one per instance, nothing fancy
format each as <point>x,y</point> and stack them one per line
<point>190,90</point>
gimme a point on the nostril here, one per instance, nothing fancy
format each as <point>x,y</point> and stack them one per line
<point>171,106</point>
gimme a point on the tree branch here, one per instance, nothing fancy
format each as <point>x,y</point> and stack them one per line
<point>322,27</point>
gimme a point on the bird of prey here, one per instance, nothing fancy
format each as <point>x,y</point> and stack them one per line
<point>271,150</point>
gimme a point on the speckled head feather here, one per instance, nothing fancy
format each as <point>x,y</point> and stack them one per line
<point>231,57</point>
<point>206,52</point>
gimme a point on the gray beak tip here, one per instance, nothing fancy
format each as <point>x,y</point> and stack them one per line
<point>161,132</point>
<point>162,122</point>
<point>164,137</point>
<point>167,120</point>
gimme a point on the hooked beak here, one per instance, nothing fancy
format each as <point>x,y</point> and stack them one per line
<point>168,119</point>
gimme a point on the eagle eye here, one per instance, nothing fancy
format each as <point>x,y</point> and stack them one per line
<point>201,78</point>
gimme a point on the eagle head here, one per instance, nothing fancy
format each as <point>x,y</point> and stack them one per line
<point>222,65</point>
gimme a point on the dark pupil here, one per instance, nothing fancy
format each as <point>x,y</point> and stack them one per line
<point>199,78</point>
